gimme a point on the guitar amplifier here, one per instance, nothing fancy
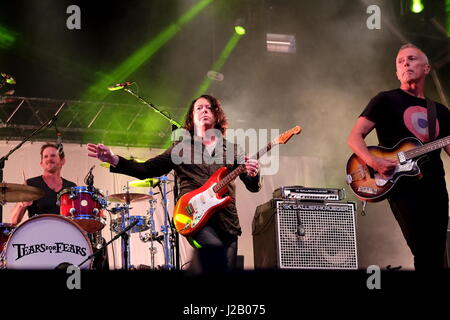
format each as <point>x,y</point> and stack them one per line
<point>305,235</point>
<point>304,193</point>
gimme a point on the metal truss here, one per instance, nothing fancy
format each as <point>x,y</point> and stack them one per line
<point>80,121</point>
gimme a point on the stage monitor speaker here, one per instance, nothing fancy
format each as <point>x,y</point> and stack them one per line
<point>305,235</point>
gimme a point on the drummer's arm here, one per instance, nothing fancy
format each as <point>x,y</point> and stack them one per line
<point>18,212</point>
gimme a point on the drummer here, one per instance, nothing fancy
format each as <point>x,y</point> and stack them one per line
<point>51,182</point>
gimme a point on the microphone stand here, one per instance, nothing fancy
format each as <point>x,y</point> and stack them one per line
<point>150,105</point>
<point>176,235</point>
<point>3,159</point>
<point>175,125</point>
<point>123,234</point>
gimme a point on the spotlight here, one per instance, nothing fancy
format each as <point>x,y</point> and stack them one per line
<point>283,43</point>
<point>240,30</point>
<point>239,27</point>
<point>417,6</point>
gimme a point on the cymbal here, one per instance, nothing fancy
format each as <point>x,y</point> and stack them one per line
<point>128,197</point>
<point>13,192</point>
<point>146,183</point>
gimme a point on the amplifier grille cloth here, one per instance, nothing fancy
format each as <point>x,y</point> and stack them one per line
<point>329,240</point>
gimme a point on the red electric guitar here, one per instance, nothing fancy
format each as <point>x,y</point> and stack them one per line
<point>194,208</point>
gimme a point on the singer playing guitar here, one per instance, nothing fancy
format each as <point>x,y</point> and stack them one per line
<point>201,156</point>
<point>419,204</point>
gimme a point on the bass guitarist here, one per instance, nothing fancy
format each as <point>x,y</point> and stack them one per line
<point>201,152</point>
<point>420,205</point>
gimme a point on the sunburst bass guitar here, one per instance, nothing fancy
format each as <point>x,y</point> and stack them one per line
<point>194,209</point>
<point>369,185</point>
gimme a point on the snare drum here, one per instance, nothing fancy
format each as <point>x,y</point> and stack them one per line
<point>45,242</point>
<point>142,225</point>
<point>83,206</point>
<point>5,232</point>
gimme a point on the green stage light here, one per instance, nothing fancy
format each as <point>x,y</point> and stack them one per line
<point>240,30</point>
<point>447,9</point>
<point>98,92</point>
<point>217,66</point>
<point>7,38</point>
<point>417,6</point>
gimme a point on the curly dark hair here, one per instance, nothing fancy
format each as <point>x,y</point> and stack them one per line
<point>216,107</point>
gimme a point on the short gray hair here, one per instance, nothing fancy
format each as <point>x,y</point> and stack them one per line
<point>410,45</point>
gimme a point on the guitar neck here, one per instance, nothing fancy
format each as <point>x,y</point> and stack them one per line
<point>416,152</point>
<point>240,169</point>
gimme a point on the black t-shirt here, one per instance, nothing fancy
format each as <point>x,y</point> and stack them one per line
<point>46,204</point>
<point>398,115</point>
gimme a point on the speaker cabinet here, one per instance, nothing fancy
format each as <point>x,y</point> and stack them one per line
<point>305,235</point>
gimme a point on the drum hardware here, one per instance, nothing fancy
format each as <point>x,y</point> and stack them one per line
<point>118,225</point>
<point>168,238</point>
<point>153,235</point>
<point>5,232</point>
<point>96,239</point>
<point>125,237</point>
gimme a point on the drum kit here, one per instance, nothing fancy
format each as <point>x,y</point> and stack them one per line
<point>47,241</point>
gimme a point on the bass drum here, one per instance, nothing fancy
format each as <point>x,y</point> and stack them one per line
<point>45,242</point>
<point>5,231</point>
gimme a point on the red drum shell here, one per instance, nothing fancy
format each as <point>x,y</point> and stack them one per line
<point>83,207</point>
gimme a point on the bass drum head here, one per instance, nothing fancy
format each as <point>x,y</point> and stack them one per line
<point>46,241</point>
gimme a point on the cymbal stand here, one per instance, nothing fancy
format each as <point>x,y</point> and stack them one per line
<point>168,244</point>
<point>125,242</point>
<point>152,236</point>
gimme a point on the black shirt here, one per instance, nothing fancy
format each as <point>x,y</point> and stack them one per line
<point>398,115</point>
<point>46,204</point>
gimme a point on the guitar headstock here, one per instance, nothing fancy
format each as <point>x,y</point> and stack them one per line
<point>285,136</point>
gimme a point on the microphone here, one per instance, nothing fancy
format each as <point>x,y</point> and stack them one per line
<point>119,86</point>
<point>59,144</point>
<point>7,78</point>
<point>89,180</point>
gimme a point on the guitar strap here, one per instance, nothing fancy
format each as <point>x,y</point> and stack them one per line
<point>431,116</point>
